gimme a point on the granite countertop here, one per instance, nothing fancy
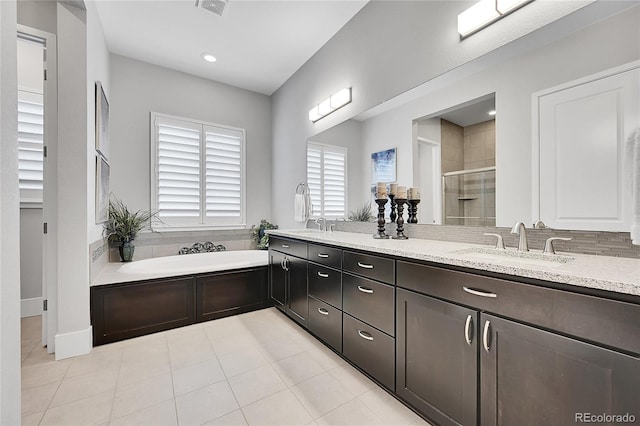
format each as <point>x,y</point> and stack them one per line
<point>616,274</point>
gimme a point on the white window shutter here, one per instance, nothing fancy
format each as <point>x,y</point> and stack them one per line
<point>30,150</point>
<point>223,175</point>
<point>178,185</point>
<point>327,179</point>
<point>314,178</point>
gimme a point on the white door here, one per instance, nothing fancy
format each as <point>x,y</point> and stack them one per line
<point>583,129</point>
<point>430,210</point>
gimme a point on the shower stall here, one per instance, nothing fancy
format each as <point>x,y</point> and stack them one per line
<point>469,197</point>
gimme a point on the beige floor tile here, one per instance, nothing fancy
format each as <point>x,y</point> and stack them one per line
<point>38,399</point>
<point>389,409</point>
<point>32,419</point>
<point>243,340</point>
<point>325,356</point>
<point>281,347</point>
<point>353,413</point>
<point>235,418</point>
<point>93,410</point>
<point>38,355</point>
<point>142,349</point>
<point>321,394</point>
<point>281,408</point>
<point>41,374</point>
<point>297,368</point>
<point>162,414</point>
<point>191,352</point>
<point>143,394</point>
<point>95,361</point>
<point>83,386</point>
<point>154,365</point>
<point>239,362</point>
<point>354,381</point>
<point>197,376</point>
<point>206,404</point>
<point>256,384</point>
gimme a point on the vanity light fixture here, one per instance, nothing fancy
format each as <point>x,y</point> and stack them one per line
<point>485,13</point>
<point>329,105</point>
<point>492,112</point>
<point>208,57</point>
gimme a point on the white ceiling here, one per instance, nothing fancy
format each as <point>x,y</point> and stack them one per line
<point>259,44</point>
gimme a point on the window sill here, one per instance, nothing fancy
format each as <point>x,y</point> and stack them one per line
<point>182,228</point>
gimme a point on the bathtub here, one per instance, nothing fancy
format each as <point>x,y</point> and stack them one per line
<point>197,263</point>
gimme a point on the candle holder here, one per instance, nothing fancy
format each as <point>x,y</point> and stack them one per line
<point>393,216</point>
<point>381,234</point>
<point>400,221</point>
<point>413,211</point>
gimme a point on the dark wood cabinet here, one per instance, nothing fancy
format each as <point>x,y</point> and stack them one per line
<point>288,278</point>
<point>325,284</point>
<point>532,377</point>
<point>325,321</point>
<point>369,301</point>
<point>437,358</point>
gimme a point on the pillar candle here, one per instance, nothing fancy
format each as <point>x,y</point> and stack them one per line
<point>394,189</point>
<point>381,191</point>
<point>414,193</point>
<point>401,193</point>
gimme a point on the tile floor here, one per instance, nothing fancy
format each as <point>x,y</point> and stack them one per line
<point>257,368</point>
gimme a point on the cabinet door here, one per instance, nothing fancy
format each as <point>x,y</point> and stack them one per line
<point>437,367</point>
<point>277,279</point>
<point>298,303</point>
<point>534,377</point>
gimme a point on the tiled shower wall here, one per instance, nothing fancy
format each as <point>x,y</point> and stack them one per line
<point>585,242</point>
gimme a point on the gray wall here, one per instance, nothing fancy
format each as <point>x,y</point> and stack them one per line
<point>9,222</point>
<point>137,88</point>
<point>390,47</point>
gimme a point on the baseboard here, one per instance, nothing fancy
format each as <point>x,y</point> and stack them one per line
<point>31,307</point>
<point>74,343</point>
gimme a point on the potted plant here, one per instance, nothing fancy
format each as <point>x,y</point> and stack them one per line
<point>258,234</point>
<point>122,226</point>
<point>361,214</point>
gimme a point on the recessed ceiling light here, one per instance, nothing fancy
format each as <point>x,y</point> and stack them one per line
<point>208,57</point>
<point>492,112</point>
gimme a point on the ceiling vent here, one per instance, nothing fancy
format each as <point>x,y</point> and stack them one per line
<point>216,6</point>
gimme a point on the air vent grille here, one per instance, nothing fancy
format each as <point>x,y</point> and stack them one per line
<point>216,6</point>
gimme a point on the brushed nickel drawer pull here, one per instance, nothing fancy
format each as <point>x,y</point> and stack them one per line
<point>323,311</point>
<point>365,266</point>
<point>365,289</point>
<point>285,245</point>
<point>323,255</point>
<point>485,336</point>
<point>365,335</point>
<point>323,275</point>
<point>467,330</point>
<point>479,292</point>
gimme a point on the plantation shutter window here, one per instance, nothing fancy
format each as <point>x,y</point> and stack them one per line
<point>327,180</point>
<point>30,147</point>
<point>199,173</point>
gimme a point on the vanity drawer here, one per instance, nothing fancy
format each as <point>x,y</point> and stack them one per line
<point>610,322</point>
<point>369,349</point>
<point>325,321</point>
<point>328,256</point>
<point>325,284</point>
<point>369,301</point>
<point>290,247</point>
<point>375,267</point>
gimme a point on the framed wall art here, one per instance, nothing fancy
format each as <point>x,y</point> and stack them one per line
<point>102,189</point>
<point>102,122</point>
<point>383,166</point>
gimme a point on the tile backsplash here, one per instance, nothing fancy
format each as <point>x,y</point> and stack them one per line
<point>586,242</point>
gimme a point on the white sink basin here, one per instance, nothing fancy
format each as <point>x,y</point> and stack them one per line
<point>515,258</point>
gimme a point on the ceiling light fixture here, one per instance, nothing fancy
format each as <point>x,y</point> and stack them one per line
<point>331,104</point>
<point>208,57</point>
<point>492,112</point>
<point>485,13</point>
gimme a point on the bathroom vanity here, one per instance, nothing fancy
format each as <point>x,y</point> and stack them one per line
<point>465,334</point>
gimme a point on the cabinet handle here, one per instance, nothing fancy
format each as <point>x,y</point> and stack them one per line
<point>323,311</point>
<point>365,335</point>
<point>323,275</point>
<point>485,336</point>
<point>365,290</point>
<point>365,266</point>
<point>479,292</point>
<point>285,245</point>
<point>282,263</point>
<point>323,255</point>
<point>286,263</point>
<point>467,330</point>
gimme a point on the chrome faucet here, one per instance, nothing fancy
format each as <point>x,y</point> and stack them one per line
<point>322,224</point>
<point>519,229</point>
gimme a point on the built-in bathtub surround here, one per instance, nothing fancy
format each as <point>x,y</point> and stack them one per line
<point>584,242</point>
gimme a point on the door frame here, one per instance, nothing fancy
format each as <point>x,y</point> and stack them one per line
<point>50,193</point>
<point>535,125</point>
